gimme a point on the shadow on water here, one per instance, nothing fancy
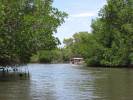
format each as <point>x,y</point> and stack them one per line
<point>13,76</point>
<point>113,83</point>
<point>15,85</point>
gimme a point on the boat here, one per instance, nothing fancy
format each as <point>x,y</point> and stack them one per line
<point>76,61</point>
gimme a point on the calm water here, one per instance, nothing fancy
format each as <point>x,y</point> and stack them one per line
<point>67,82</point>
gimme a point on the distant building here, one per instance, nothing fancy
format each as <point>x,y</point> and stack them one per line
<point>77,61</point>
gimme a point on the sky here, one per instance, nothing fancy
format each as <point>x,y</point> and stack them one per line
<point>80,14</point>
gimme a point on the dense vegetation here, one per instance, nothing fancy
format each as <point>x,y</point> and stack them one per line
<point>49,56</point>
<point>111,40</point>
<point>27,26</point>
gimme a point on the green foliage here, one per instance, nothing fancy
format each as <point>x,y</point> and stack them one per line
<point>48,56</point>
<point>45,56</point>
<point>68,42</point>
<point>77,46</point>
<point>27,26</point>
<point>116,33</point>
<point>111,41</point>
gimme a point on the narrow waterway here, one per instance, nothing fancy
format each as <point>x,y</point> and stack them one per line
<point>67,82</point>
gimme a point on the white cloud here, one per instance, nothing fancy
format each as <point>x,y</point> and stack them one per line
<point>87,14</point>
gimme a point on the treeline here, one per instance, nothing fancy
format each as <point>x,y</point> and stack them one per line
<point>50,56</point>
<point>26,27</point>
<point>56,55</point>
<point>111,42</point>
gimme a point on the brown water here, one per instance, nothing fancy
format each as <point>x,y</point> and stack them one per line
<point>67,82</point>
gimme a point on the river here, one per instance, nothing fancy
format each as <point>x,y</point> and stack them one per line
<point>67,82</point>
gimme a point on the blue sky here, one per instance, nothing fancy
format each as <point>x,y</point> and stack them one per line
<point>81,13</point>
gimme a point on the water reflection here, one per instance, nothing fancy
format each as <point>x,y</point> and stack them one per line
<point>7,76</point>
<point>14,86</point>
<point>66,82</point>
<point>61,82</point>
<point>113,83</point>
